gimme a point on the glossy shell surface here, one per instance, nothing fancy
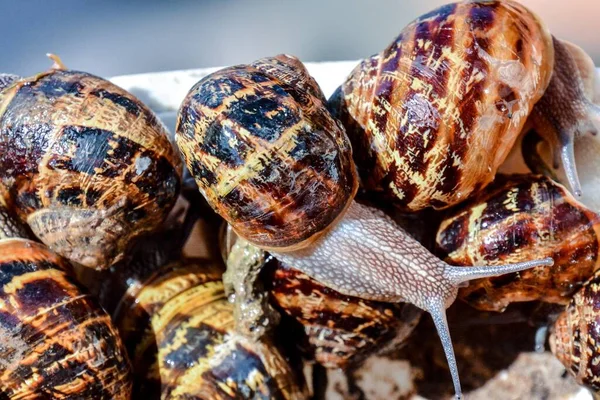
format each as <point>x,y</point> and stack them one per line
<point>518,218</point>
<point>85,164</point>
<point>576,334</point>
<point>433,116</point>
<point>55,341</point>
<point>265,152</point>
<point>179,329</point>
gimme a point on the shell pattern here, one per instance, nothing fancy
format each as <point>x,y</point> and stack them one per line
<point>55,341</point>
<point>576,334</point>
<point>517,218</point>
<point>433,116</point>
<point>85,164</point>
<point>179,329</point>
<point>265,152</point>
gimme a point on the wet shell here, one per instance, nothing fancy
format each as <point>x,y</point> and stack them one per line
<point>517,218</point>
<point>179,329</point>
<point>433,116</point>
<point>85,164</point>
<point>265,152</point>
<point>341,330</point>
<point>55,342</point>
<point>576,334</point>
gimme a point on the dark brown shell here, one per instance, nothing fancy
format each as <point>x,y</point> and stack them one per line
<point>433,116</point>
<point>55,341</point>
<point>518,218</point>
<point>85,164</point>
<point>265,152</point>
<point>341,330</point>
<point>576,334</point>
<point>179,329</point>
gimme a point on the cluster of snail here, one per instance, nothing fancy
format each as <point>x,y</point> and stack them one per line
<point>89,178</point>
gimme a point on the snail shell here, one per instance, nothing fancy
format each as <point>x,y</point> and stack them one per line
<point>576,334</point>
<point>514,219</point>
<point>84,163</point>
<point>179,329</point>
<point>276,165</point>
<point>432,117</point>
<point>55,341</point>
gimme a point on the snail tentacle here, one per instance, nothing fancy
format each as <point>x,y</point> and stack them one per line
<point>565,111</point>
<point>438,313</point>
<point>458,275</point>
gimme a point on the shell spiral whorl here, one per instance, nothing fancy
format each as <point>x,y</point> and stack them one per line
<point>85,164</point>
<point>266,153</point>
<point>433,116</point>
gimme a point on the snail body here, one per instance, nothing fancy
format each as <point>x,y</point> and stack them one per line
<point>55,341</point>
<point>514,219</point>
<point>269,159</point>
<point>179,329</point>
<point>84,164</point>
<point>574,337</point>
<point>338,331</point>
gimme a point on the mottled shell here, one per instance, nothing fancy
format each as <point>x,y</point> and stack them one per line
<point>266,153</point>
<point>433,116</point>
<point>85,164</point>
<point>576,334</point>
<point>55,342</point>
<point>341,330</point>
<point>518,218</point>
<point>179,329</point>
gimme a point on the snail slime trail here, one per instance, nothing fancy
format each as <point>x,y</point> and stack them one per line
<point>270,159</point>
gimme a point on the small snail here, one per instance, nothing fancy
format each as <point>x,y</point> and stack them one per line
<point>340,331</point>
<point>55,341</point>
<point>271,160</point>
<point>432,117</point>
<point>83,163</point>
<point>179,328</point>
<point>516,218</point>
<point>576,334</point>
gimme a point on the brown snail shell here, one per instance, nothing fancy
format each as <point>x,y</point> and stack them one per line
<point>244,154</point>
<point>516,218</point>
<point>432,117</point>
<point>55,341</point>
<point>179,329</point>
<point>576,334</point>
<point>84,163</point>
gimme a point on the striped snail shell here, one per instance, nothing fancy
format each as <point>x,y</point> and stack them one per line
<point>271,160</point>
<point>179,329</point>
<point>340,330</point>
<point>516,218</point>
<point>576,333</point>
<point>55,341</point>
<point>84,163</point>
<point>432,116</point>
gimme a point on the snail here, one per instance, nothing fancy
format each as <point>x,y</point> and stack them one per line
<point>433,116</point>
<point>574,337</point>
<point>83,163</point>
<point>55,341</point>
<point>179,329</point>
<point>516,218</point>
<point>270,159</point>
<point>338,331</point>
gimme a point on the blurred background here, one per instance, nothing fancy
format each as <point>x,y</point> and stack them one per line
<point>116,37</point>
